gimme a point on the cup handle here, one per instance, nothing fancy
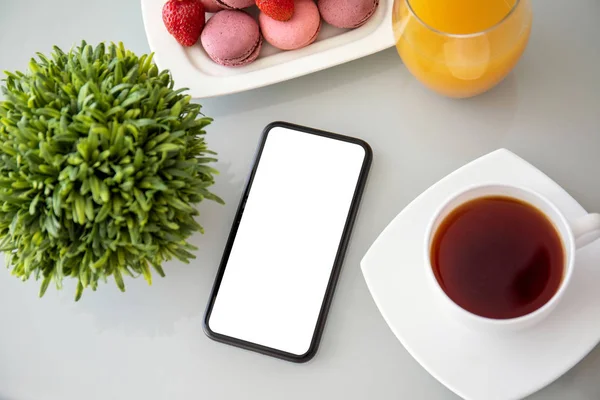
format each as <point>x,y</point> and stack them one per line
<point>586,229</point>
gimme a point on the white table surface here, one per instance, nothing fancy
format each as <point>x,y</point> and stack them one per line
<point>148,343</point>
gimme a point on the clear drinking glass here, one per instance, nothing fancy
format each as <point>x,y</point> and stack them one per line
<point>461,48</point>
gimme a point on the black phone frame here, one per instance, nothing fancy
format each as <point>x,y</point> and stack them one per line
<point>335,271</point>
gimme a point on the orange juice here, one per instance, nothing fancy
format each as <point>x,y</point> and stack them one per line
<point>461,48</point>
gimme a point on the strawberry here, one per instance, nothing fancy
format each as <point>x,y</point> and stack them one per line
<point>184,20</point>
<point>281,10</point>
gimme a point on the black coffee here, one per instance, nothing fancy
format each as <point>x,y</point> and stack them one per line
<point>498,257</point>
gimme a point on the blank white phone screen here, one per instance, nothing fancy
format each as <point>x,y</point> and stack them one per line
<point>283,254</point>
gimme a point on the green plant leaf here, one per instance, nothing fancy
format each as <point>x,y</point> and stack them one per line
<point>119,279</point>
<point>45,284</point>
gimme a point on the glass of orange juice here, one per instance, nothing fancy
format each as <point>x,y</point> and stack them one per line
<point>461,48</point>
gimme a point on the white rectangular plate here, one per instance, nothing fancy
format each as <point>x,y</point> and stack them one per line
<point>192,68</point>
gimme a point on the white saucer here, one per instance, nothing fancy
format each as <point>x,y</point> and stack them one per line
<point>474,365</point>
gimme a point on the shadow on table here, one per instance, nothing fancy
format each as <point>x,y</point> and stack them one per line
<point>580,383</point>
<point>305,86</point>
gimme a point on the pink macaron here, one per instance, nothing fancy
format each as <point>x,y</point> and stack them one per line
<point>347,13</point>
<point>231,38</point>
<point>235,4</point>
<point>298,32</point>
<point>212,6</point>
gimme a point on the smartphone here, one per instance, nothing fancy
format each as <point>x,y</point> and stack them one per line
<point>286,247</point>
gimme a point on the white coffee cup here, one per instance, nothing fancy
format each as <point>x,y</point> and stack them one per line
<point>573,234</point>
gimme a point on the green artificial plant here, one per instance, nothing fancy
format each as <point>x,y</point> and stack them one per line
<point>101,162</point>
